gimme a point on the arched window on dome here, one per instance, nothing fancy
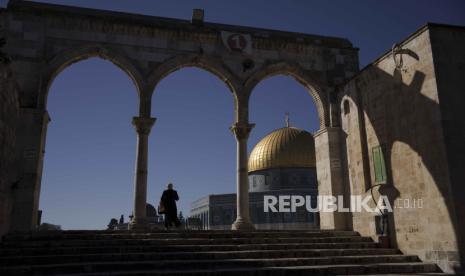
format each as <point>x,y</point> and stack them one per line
<point>346,107</point>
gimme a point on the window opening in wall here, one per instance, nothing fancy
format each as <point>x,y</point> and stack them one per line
<point>346,107</point>
<point>379,164</point>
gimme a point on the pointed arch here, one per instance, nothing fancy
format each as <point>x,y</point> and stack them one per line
<point>209,64</point>
<point>306,78</point>
<point>69,56</point>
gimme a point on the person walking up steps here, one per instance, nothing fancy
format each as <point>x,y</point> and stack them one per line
<point>168,199</point>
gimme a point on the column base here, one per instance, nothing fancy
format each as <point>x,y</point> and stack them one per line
<point>242,225</point>
<point>139,225</point>
<point>333,221</point>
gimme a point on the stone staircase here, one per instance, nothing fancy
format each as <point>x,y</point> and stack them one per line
<point>201,253</point>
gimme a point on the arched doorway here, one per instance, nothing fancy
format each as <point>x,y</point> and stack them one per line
<point>88,172</point>
<point>327,138</point>
<point>282,110</point>
<point>191,144</point>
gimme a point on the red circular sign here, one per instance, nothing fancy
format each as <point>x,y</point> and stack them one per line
<point>237,42</point>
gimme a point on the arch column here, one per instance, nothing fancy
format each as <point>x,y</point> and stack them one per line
<point>143,125</point>
<point>242,131</point>
<point>31,134</point>
<point>329,174</point>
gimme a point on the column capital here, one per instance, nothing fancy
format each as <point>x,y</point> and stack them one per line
<point>143,125</point>
<point>242,130</point>
<point>326,130</point>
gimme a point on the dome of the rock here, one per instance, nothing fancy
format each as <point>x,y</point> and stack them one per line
<point>287,147</point>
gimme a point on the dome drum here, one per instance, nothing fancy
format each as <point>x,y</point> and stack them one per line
<point>292,179</point>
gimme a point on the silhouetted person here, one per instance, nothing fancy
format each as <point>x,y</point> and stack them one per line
<point>121,219</point>
<point>169,199</point>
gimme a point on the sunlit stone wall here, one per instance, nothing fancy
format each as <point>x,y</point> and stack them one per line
<point>401,110</point>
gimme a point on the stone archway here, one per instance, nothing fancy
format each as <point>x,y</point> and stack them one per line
<point>145,121</point>
<point>307,79</point>
<point>147,49</point>
<point>327,139</point>
<point>69,56</point>
<point>210,64</point>
<point>31,194</point>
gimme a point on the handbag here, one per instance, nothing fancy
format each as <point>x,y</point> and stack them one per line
<point>161,208</point>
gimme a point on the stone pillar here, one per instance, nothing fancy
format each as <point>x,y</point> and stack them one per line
<point>143,127</point>
<point>9,115</point>
<point>242,131</point>
<point>31,132</point>
<point>329,174</point>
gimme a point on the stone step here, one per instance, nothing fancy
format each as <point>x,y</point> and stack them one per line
<point>176,230</point>
<point>180,241</point>
<point>208,255</point>
<point>201,253</point>
<point>4,252</point>
<point>111,235</point>
<point>366,269</point>
<point>212,265</point>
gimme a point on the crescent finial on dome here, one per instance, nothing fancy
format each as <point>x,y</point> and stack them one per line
<point>288,123</point>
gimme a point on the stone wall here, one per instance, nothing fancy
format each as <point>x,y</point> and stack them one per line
<point>8,119</point>
<point>449,62</point>
<point>400,109</point>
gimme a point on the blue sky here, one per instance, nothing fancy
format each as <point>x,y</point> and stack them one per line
<point>90,150</point>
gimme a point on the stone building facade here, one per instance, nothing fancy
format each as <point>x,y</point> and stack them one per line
<point>408,102</point>
<point>217,212</point>
<point>404,111</point>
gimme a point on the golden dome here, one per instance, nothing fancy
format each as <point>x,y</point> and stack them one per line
<point>287,147</point>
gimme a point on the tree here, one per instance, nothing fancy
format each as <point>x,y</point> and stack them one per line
<point>181,217</point>
<point>112,224</point>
